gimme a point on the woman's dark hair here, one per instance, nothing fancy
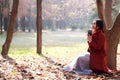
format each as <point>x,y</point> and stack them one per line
<point>89,32</point>
<point>99,24</point>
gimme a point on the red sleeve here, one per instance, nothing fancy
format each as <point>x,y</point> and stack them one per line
<point>97,41</point>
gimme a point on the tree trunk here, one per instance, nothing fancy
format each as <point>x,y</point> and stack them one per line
<point>113,34</point>
<point>108,14</point>
<point>22,20</point>
<point>112,44</point>
<point>100,8</point>
<point>6,23</point>
<point>113,39</point>
<point>13,15</point>
<point>39,26</point>
<point>1,23</point>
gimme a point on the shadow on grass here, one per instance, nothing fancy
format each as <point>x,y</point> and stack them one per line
<point>10,60</point>
<point>51,60</point>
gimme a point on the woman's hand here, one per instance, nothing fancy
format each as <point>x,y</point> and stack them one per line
<point>89,38</point>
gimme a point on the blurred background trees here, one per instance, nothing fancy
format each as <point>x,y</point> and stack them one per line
<point>56,14</point>
<point>62,14</point>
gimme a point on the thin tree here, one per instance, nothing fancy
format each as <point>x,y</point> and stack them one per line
<point>39,26</point>
<point>6,45</point>
<point>112,32</point>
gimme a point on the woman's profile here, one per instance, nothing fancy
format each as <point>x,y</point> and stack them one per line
<point>97,49</point>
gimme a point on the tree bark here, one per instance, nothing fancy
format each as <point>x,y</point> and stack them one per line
<point>107,14</point>
<point>1,23</point>
<point>113,40</point>
<point>13,15</point>
<point>100,8</point>
<point>39,26</point>
<point>112,44</point>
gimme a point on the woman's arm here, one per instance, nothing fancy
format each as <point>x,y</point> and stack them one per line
<point>97,41</point>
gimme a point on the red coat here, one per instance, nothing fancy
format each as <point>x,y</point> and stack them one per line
<point>98,52</point>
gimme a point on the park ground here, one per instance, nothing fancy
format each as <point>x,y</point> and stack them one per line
<point>58,49</point>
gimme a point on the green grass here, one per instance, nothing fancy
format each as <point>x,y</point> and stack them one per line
<point>58,52</point>
<point>59,45</point>
<point>65,52</point>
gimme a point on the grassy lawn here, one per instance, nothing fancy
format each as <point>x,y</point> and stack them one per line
<point>64,46</point>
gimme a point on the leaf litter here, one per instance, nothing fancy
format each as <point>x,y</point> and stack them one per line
<point>43,68</point>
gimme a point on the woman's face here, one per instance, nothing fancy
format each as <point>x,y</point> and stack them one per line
<point>93,25</point>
